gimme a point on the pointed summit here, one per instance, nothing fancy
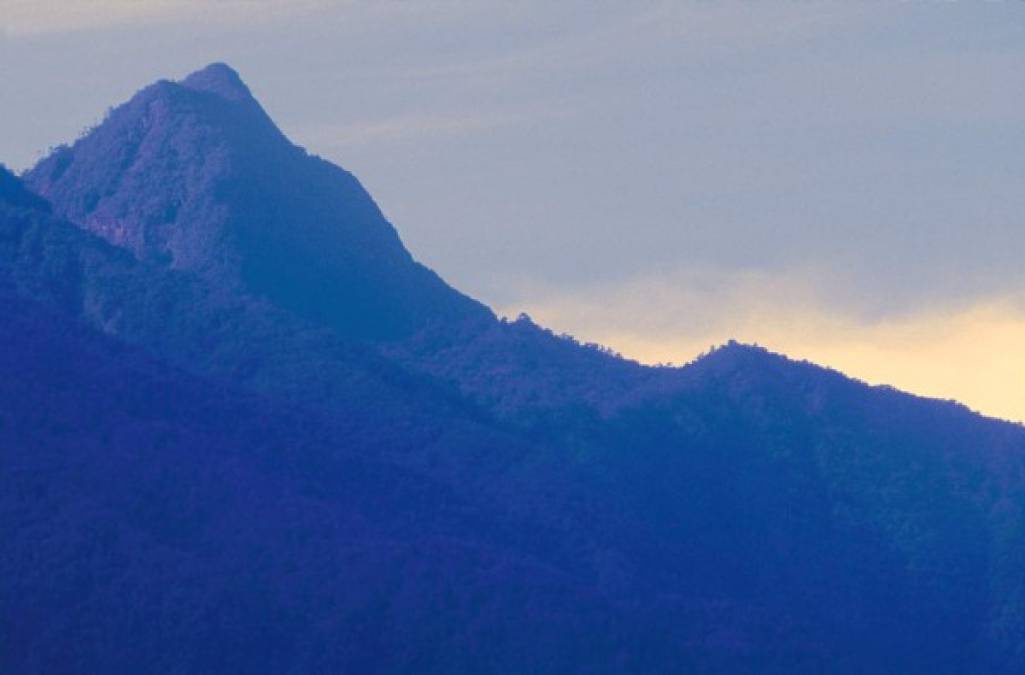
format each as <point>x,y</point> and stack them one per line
<point>221,79</point>
<point>208,184</point>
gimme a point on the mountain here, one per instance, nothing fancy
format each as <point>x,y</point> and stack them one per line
<point>212,523</point>
<point>211,468</point>
<point>194,176</point>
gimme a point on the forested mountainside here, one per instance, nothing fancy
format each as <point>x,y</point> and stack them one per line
<point>244,431</point>
<point>155,522</point>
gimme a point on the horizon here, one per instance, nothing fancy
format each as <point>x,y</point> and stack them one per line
<point>917,287</point>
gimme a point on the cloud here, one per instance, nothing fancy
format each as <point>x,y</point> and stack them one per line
<point>38,17</point>
<point>35,17</point>
<point>732,25</point>
<point>973,352</point>
<point>405,127</point>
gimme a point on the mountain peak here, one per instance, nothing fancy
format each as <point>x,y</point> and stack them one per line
<point>220,79</point>
<point>195,176</point>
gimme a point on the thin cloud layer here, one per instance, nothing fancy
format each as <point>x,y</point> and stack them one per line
<point>406,128</point>
<point>32,17</point>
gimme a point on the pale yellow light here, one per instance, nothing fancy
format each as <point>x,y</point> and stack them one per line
<point>975,354</point>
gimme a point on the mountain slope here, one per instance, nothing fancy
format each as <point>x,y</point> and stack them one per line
<point>203,328</point>
<point>156,521</point>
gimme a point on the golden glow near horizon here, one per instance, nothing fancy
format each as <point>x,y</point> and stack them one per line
<point>974,355</point>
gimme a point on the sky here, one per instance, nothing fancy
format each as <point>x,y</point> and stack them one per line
<point>838,181</point>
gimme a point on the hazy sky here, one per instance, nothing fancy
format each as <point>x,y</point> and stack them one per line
<point>840,181</point>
